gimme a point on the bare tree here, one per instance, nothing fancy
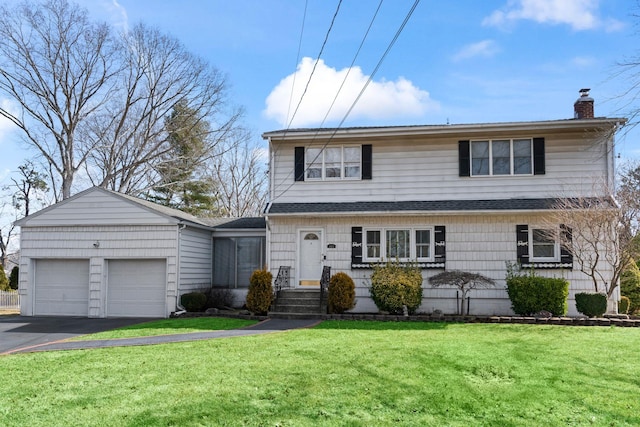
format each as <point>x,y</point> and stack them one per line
<point>241,178</point>
<point>601,235</point>
<point>464,281</point>
<point>56,69</point>
<point>129,134</point>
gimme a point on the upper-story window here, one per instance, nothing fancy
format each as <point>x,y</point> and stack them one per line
<point>502,157</point>
<point>342,162</point>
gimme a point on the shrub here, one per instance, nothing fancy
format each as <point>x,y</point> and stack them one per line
<point>193,301</point>
<point>219,298</point>
<point>590,304</point>
<point>623,305</point>
<point>342,293</point>
<point>4,282</point>
<point>13,277</point>
<point>530,294</point>
<point>630,287</point>
<point>394,286</point>
<point>260,293</point>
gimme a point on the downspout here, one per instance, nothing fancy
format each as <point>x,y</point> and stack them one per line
<point>179,308</point>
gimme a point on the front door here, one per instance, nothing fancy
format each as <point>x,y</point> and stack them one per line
<point>310,258</point>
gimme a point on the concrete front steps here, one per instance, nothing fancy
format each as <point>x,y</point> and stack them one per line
<point>299,303</point>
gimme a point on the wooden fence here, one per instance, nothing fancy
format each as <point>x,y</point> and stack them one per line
<point>9,300</point>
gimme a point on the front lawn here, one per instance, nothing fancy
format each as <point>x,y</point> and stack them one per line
<point>339,373</point>
<point>169,327</point>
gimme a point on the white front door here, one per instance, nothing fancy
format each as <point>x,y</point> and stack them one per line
<point>310,258</point>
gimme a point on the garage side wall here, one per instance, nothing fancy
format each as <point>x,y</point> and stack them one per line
<point>97,244</point>
<point>196,259</point>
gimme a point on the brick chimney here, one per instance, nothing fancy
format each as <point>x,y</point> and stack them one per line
<point>583,107</point>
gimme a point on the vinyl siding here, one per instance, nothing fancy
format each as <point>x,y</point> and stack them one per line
<point>195,259</point>
<point>97,208</point>
<point>426,168</point>
<point>116,242</point>
<point>474,243</point>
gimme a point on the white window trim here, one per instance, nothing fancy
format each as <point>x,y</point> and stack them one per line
<point>323,177</point>
<point>412,244</point>
<point>556,246</point>
<point>511,158</point>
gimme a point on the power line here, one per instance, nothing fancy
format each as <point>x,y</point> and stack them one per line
<point>355,57</point>
<point>324,43</point>
<point>369,79</point>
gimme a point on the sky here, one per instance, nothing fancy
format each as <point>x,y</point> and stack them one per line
<point>458,61</point>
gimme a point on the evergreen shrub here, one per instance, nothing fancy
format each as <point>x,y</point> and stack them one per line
<point>530,294</point>
<point>193,301</point>
<point>630,287</point>
<point>341,293</point>
<point>13,277</point>
<point>394,286</point>
<point>623,305</point>
<point>4,282</point>
<point>591,304</point>
<point>219,298</point>
<point>260,295</point>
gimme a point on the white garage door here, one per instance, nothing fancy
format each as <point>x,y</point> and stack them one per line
<point>136,288</point>
<point>61,287</point>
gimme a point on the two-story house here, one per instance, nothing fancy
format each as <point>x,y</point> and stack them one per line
<point>470,197</point>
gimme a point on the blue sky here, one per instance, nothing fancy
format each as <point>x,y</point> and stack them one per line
<point>462,61</point>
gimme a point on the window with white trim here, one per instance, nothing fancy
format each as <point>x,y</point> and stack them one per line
<point>502,157</point>
<point>402,244</point>
<point>544,245</point>
<point>343,162</point>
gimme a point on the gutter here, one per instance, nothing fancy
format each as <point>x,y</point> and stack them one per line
<point>179,308</point>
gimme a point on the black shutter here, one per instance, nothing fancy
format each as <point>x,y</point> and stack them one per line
<point>367,161</point>
<point>566,257</point>
<point>356,245</point>
<point>299,164</point>
<point>439,239</point>
<point>522,240</point>
<point>538,156</point>
<point>464,158</point>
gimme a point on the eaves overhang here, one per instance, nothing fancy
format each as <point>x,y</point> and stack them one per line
<point>436,207</point>
<point>450,129</point>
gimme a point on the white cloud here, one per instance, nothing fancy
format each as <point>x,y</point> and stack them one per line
<point>381,100</point>
<point>579,14</point>
<point>484,48</point>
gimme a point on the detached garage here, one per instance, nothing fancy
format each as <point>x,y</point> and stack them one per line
<point>105,254</point>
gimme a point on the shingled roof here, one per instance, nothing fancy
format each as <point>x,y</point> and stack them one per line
<point>424,206</point>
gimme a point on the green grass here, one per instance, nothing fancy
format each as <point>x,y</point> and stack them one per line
<point>169,327</point>
<point>339,374</point>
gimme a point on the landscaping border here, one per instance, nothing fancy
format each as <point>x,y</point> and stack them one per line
<point>563,321</point>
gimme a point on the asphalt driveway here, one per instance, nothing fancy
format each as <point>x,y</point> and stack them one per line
<point>20,332</point>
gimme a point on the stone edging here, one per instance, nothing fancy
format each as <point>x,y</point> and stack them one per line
<point>565,321</point>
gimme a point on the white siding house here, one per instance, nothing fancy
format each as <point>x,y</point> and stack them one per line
<point>466,197</point>
<point>105,254</point>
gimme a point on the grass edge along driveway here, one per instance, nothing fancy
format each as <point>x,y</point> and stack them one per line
<point>340,373</point>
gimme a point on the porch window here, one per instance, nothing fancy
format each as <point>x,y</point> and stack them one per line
<point>235,259</point>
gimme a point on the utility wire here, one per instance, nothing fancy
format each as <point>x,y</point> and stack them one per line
<point>304,19</point>
<point>364,38</point>
<point>324,43</point>
<point>382,58</point>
